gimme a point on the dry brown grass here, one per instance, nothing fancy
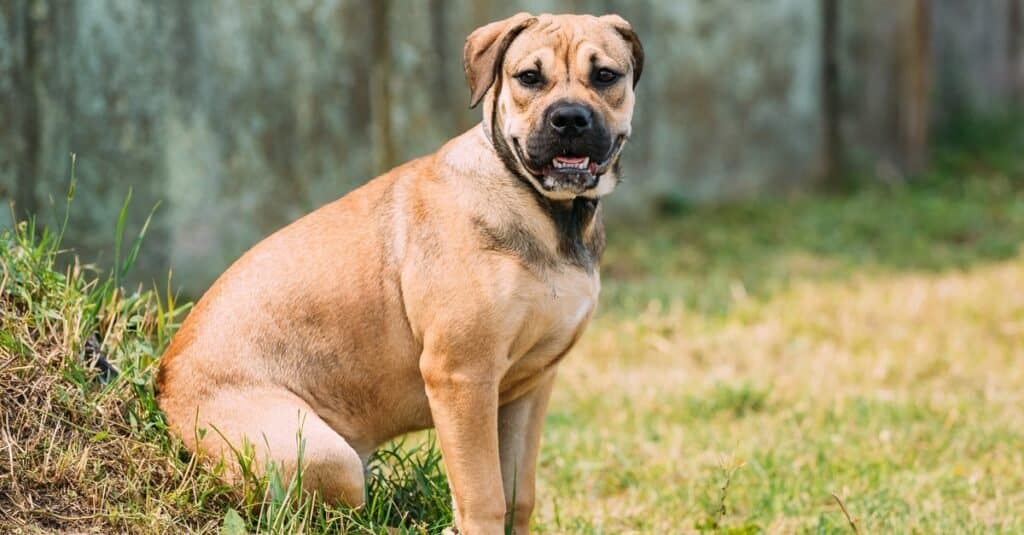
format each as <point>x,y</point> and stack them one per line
<point>78,455</point>
<point>902,394</point>
<point>84,451</point>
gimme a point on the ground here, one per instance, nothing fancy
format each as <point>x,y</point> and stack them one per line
<point>753,367</point>
<point>886,374</point>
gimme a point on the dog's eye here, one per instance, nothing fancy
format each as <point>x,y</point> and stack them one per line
<point>605,77</point>
<point>530,78</point>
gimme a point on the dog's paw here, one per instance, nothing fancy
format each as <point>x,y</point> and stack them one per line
<point>450,531</point>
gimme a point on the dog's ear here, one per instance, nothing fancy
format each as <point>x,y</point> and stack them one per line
<point>626,31</point>
<point>485,50</point>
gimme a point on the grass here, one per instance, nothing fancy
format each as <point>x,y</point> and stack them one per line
<point>84,450</point>
<point>755,368</point>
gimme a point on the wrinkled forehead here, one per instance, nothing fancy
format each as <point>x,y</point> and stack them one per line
<point>568,39</point>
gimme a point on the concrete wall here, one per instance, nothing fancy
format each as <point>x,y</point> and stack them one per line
<point>239,116</point>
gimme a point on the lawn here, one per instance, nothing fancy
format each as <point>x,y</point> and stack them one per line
<point>753,366</point>
<point>825,351</point>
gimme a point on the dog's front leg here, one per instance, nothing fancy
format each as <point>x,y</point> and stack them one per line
<point>464,406</point>
<point>520,424</point>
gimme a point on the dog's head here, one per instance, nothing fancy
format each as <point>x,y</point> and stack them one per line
<point>558,93</point>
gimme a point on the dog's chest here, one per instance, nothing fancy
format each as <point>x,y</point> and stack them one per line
<point>559,312</point>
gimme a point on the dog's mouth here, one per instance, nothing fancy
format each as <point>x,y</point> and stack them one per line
<point>571,173</point>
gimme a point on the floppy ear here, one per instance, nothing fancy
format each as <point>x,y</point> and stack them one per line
<point>485,50</point>
<point>626,31</point>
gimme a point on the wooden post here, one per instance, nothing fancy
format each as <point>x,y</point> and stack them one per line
<point>380,89</point>
<point>832,149</point>
<point>446,96</point>
<point>27,112</point>
<point>915,87</point>
<point>1015,50</point>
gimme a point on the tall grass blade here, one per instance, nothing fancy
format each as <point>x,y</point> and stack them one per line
<point>133,254</point>
<point>122,218</point>
<point>67,203</point>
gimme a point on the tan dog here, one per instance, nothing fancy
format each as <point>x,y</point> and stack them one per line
<point>443,293</point>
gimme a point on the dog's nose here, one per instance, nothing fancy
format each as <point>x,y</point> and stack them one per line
<point>571,120</point>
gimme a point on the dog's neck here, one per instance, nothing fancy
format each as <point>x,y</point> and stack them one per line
<point>527,216</point>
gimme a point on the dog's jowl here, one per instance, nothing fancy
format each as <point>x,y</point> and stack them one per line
<point>442,294</point>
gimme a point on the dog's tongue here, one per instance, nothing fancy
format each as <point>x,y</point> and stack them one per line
<point>570,161</point>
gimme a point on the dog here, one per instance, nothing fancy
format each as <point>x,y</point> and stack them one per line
<point>441,294</point>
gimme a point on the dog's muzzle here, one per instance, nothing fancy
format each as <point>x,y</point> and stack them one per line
<point>569,149</point>
<point>575,174</point>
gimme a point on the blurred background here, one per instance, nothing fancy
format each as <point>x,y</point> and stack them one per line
<point>812,288</point>
<point>240,116</point>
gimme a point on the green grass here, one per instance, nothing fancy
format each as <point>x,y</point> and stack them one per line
<point>749,362</point>
<point>864,345</point>
<point>79,451</point>
<point>707,257</point>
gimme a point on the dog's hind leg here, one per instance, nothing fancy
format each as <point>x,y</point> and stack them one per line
<point>280,429</point>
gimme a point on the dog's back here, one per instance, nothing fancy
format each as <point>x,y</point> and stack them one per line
<point>299,324</point>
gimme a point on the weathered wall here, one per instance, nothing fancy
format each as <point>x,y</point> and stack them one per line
<point>241,115</point>
<point>969,70</point>
<point>978,53</point>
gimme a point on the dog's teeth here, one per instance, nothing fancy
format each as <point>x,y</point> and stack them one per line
<point>559,163</point>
